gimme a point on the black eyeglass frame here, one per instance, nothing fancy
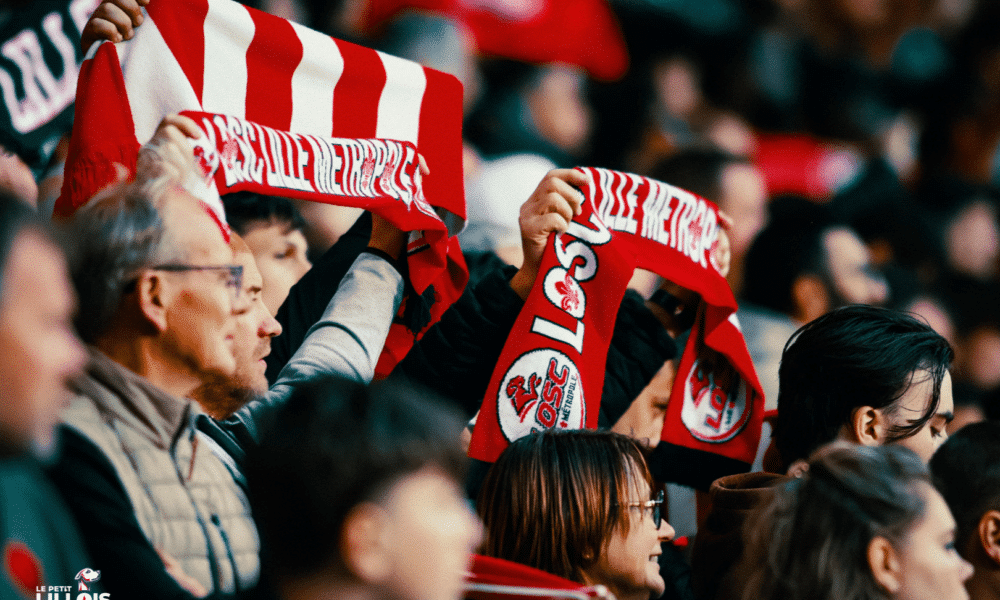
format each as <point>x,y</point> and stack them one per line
<point>234,282</point>
<point>655,504</point>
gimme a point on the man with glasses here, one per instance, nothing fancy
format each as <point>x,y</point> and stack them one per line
<point>159,294</point>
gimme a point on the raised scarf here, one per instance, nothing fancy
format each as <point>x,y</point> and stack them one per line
<point>551,370</point>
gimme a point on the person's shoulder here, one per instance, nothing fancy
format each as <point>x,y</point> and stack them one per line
<point>745,485</point>
<point>83,415</point>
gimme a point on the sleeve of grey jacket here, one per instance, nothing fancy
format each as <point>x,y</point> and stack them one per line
<point>346,341</point>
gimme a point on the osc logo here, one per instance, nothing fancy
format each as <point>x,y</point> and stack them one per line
<point>711,412</point>
<point>541,390</point>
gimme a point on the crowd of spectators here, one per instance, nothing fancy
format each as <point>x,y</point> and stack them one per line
<point>189,408</point>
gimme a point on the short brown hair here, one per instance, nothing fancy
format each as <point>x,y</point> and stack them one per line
<point>553,499</point>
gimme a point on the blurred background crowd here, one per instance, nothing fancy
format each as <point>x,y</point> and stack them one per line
<point>821,122</point>
<point>878,118</point>
<point>854,144</point>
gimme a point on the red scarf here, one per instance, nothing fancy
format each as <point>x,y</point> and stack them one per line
<point>379,175</point>
<point>221,57</point>
<point>551,371</point>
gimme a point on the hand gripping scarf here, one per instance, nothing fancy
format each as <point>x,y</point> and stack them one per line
<point>551,370</point>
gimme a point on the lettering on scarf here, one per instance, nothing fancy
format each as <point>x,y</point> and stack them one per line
<point>236,152</point>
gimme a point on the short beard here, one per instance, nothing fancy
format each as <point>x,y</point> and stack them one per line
<point>220,397</point>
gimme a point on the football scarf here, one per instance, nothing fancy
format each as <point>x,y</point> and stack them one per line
<point>256,75</point>
<point>551,370</point>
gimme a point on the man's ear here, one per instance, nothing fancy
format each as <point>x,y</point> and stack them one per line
<point>810,298</point>
<point>153,293</point>
<point>884,563</point>
<point>989,535</point>
<point>362,543</point>
<point>868,426</point>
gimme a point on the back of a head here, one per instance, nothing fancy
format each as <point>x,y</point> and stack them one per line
<point>852,357</point>
<point>790,246</point>
<point>810,541</point>
<point>334,445</point>
<point>966,470</point>
<point>553,499</point>
<point>114,236</point>
<point>246,210</point>
<point>697,170</point>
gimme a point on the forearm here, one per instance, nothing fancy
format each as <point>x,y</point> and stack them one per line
<point>346,341</point>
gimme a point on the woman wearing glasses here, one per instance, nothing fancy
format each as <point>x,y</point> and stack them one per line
<point>577,504</point>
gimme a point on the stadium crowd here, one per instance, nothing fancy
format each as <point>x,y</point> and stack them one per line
<point>198,403</point>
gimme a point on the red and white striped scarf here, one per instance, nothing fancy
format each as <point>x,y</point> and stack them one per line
<point>218,56</point>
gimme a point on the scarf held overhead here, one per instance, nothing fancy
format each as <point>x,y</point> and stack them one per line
<point>301,87</point>
<point>551,371</point>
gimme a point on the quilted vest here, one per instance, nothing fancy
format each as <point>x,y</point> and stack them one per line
<point>184,497</point>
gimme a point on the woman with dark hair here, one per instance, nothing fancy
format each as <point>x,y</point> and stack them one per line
<point>577,504</point>
<point>862,523</point>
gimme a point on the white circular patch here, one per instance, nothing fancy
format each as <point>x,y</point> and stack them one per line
<point>541,390</point>
<point>710,412</point>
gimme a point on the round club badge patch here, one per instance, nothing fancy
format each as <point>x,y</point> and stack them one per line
<point>712,413</point>
<point>541,390</point>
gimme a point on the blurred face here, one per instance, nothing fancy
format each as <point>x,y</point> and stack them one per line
<point>972,240</point>
<point>744,198</point>
<point>914,404</point>
<point>254,329</point>
<point>930,567</point>
<point>559,108</point>
<point>280,254</point>
<point>629,565</point>
<point>853,278</point>
<point>39,351</point>
<point>16,178</point>
<point>432,535</point>
<point>200,304</point>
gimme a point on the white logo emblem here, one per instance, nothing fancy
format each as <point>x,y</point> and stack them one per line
<point>541,390</point>
<point>710,412</point>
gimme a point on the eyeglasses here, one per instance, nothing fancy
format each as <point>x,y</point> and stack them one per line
<point>234,274</point>
<point>655,505</point>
